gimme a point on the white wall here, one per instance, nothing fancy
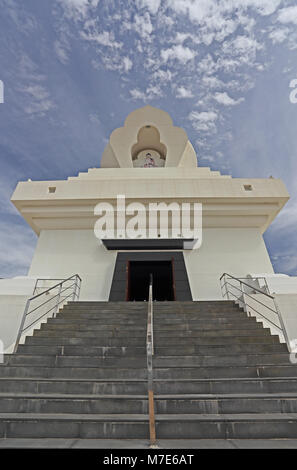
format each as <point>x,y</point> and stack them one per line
<point>11,312</point>
<point>236,251</point>
<point>287,304</point>
<point>61,253</point>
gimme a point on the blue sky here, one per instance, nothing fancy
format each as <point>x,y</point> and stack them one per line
<point>73,70</point>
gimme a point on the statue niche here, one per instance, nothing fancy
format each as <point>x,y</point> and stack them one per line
<point>148,152</point>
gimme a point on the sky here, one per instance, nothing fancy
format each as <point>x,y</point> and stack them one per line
<point>72,71</point>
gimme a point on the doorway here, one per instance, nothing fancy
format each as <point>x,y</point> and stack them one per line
<point>119,289</point>
<point>138,280</point>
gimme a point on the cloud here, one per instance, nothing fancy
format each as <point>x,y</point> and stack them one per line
<point>152,5</point>
<point>39,101</point>
<point>226,100</point>
<point>127,64</point>
<point>105,38</point>
<point>78,9</point>
<point>279,35</point>
<point>203,121</point>
<point>150,93</point>
<point>33,96</point>
<point>178,52</point>
<point>143,25</point>
<point>288,15</point>
<point>201,11</point>
<point>61,52</point>
<point>163,75</point>
<point>182,92</point>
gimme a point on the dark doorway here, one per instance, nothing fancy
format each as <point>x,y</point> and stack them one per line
<point>138,280</point>
<point>119,287</point>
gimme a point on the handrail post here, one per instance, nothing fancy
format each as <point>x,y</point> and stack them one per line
<point>248,307</point>
<point>282,325</point>
<point>150,352</point>
<point>21,326</point>
<point>58,301</point>
<point>54,308</point>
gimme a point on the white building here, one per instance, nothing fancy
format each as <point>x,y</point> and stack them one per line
<point>148,160</point>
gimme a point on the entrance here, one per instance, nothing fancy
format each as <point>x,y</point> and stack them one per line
<point>169,271</point>
<point>138,280</point>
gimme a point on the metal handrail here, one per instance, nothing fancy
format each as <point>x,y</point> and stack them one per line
<point>75,286</point>
<point>149,355</point>
<point>242,295</point>
<point>44,280</point>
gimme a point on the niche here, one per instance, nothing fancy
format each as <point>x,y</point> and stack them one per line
<point>148,152</point>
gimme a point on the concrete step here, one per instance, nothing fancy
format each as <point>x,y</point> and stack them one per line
<point>77,372</point>
<point>168,426</point>
<point>96,351</point>
<point>74,386</point>
<point>158,320</point>
<point>76,404</point>
<point>98,326</point>
<point>138,404</point>
<point>134,314</point>
<point>116,372</point>
<point>60,443</point>
<point>48,339</point>
<point>74,361</point>
<point>158,316</point>
<point>226,385</point>
<point>37,425</point>
<point>139,387</point>
<point>142,305</point>
<point>140,361</point>
<point>186,350</point>
<point>158,335</point>
<point>213,360</point>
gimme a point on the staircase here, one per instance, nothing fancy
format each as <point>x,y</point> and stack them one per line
<point>218,376</point>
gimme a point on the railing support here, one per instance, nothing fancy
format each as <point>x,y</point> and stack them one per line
<point>150,353</point>
<point>227,284</point>
<point>76,281</point>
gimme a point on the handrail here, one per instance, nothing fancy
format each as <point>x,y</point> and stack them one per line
<point>248,285</point>
<point>44,280</point>
<point>149,355</point>
<point>75,286</point>
<point>241,298</point>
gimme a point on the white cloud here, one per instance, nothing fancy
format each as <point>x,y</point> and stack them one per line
<point>203,121</point>
<point>152,5</point>
<point>279,35</point>
<point>35,99</point>
<point>212,82</point>
<point>138,94</point>
<point>61,52</point>
<point>201,11</point>
<point>143,25</point>
<point>179,53</point>
<point>226,100</point>
<point>204,116</point>
<point>182,92</point>
<point>78,9</point>
<point>106,38</point>
<point>150,93</point>
<point>288,15</point>
<point>127,64</point>
<point>162,75</point>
